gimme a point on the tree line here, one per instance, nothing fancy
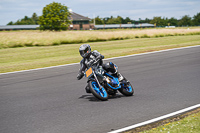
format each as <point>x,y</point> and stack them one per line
<point>34,20</point>
<point>158,21</point>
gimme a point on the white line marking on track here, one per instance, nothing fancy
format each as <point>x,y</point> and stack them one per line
<point>104,59</point>
<point>155,119</point>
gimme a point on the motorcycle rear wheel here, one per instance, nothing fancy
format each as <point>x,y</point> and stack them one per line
<point>127,90</point>
<point>100,94</point>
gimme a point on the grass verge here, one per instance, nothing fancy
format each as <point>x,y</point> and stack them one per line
<point>15,59</point>
<point>185,123</point>
<point>13,39</point>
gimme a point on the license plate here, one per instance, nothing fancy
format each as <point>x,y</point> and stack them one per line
<point>88,72</point>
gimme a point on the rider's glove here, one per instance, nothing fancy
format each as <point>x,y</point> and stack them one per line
<point>79,76</point>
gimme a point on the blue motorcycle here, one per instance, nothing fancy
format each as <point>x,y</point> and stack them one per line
<point>102,83</point>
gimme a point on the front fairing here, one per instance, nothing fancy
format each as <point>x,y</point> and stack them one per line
<point>114,82</point>
<point>101,75</point>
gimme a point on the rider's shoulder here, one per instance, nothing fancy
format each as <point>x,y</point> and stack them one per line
<point>95,52</point>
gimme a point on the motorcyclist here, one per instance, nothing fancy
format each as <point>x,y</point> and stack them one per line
<point>88,59</point>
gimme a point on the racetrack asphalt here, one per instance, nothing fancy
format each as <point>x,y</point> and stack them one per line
<point>53,101</point>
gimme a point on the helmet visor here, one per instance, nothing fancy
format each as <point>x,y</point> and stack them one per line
<point>83,52</point>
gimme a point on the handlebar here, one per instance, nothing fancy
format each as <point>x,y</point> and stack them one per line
<point>96,61</point>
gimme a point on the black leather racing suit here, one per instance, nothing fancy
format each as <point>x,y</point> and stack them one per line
<point>86,62</point>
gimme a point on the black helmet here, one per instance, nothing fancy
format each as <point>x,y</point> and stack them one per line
<point>85,50</point>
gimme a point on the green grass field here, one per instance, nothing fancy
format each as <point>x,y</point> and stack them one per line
<point>190,124</point>
<point>23,58</point>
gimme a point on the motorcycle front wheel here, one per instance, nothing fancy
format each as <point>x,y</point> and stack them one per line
<point>101,94</point>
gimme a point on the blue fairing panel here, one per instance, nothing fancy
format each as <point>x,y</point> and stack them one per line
<point>116,81</point>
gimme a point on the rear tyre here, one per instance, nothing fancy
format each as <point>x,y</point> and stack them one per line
<point>101,94</point>
<point>126,89</point>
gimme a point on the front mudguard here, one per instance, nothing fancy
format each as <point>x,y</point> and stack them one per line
<point>91,79</point>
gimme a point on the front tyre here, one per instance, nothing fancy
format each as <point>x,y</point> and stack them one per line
<point>101,94</point>
<point>126,89</point>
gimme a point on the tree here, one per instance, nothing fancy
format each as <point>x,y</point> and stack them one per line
<point>54,17</point>
<point>25,21</point>
<point>98,20</point>
<point>35,18</point>
<point>114,20</point>
<point>105,20</point>
<point>120,20</point>
<point>10,23</point>
<point>147,20</point>
<point>127,20</point>
<point>159,21</point>
<point>173,21</point>
<point>185,21</point>
<point>196,19</point>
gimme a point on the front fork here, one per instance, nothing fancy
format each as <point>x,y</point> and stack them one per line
<point>97,81</point>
